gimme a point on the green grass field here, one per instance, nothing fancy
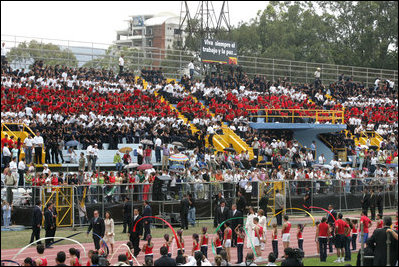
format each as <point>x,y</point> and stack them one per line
<point>19,239</point>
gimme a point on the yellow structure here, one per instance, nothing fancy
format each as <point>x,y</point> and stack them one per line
<point>320,115</point>
<point>62,197</point>
<point>23,132</point>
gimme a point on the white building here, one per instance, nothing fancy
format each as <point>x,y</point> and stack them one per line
<point>149,31</point>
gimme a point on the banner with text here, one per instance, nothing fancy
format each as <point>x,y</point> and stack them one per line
<point>217,51</point>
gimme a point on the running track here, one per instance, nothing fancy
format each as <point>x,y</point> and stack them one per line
<point>50,254</point>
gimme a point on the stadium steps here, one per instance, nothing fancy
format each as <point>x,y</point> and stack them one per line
<point>229,136</point>
<point>180,116</point>
<point>23,133</point>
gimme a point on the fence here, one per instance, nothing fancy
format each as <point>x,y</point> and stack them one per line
<point>174,62</point>
<point>299,115</point>
<point>343,194</point>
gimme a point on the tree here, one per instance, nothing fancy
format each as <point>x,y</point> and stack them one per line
<point>26,53</point>
<point>367,33</point>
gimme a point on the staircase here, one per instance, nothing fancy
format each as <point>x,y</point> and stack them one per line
<point>19,134</point>
<point>180,116</point>
<point>375,138</point>
<point>229,137</point>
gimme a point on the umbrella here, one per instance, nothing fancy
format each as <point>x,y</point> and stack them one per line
<point>131,165</point>
<point>125,149</point>
<point>72,143</point>
<point>229,149</point>
<point>178,157</point>
<point>164,178</point>
<point>176,166</point>
<point>146,142</point>
<point>144,167</point>
<point>195,169</point>
<point>177,144</point>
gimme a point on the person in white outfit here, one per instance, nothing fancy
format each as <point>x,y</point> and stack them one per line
<point>250,226</point>
<point>263,224</point>
<point>109,236</point>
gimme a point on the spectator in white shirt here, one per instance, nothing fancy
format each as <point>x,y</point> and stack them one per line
<point>3,53</point>
<point>6,155</point>
<point>95,156</point>
<point>38,143</point>
<point>158,148</point>
<point>21,172</point>
<point>28,146</point>
<point>121,64</point>
<point>14,168</point>
<point>191,68</point>
<point>322,159</point>
<point>89,155</point>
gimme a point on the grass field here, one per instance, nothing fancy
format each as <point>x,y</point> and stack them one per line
<point>19,239</point>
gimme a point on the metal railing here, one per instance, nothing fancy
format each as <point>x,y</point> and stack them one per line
<point>299,115</point>
<point>174,62</point>
<point>344,194</point>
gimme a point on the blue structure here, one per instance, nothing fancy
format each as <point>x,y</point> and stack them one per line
<point>305,133</point>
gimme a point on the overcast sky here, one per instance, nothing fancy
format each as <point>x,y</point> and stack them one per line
<point>96,21</point>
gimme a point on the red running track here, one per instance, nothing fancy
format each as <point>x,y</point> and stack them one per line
<point>50,254</point>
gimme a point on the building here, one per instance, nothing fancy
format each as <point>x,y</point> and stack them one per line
<point>157,31</point>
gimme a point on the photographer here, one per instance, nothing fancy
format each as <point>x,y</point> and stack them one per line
<point>292,257</point>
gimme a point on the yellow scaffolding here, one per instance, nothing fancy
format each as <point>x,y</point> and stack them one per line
<point>62,197</point>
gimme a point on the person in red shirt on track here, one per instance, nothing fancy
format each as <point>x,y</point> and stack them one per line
<point>322,231</point>
<point>285,232</point>
<point>340,226</point>
<point>379,221</point>
<point>41,261</point>
<point>366,222</point>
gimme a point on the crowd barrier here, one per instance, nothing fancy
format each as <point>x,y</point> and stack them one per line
<point>174,62</point>
<point>165,200</point>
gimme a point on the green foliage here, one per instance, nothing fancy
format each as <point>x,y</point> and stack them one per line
<point>357,33</point>
<point>26,53</point>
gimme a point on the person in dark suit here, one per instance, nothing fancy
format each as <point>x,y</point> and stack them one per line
<point>147,221</point>
<point>135,236</point>
<point>307,200</point>
<point>365,201</point>
<point>380,201</point>
<point>379,241</point>
<point>263,202</point>
<point>330,219</point>
<point>241,202</point>
<point>218,199</point>
<point>184,207</point>
<point>127,213</point>
<point>164,260</point>
<point>373,202</point>
<point>97,225</point>
<point>49,223</point>
<point>222,213</point>
<point>36,222</point>
<point>234,213</point>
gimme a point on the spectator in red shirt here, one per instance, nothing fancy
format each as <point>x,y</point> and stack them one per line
<point>4,140</point>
